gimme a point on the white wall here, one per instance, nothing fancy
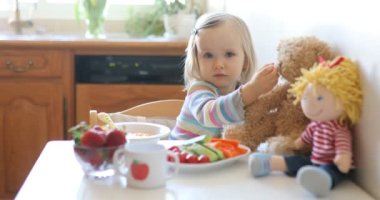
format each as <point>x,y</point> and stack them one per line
<point>352,28</point>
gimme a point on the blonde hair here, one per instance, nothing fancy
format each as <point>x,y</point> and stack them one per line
<point>341,77</point>
<point>192,72</point>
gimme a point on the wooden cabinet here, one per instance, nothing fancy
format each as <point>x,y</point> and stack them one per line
<point>118,97</point>
<point>31,63</point>
<point>39,99</point>
<point>31,111</point>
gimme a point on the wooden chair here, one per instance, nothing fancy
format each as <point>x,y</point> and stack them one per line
<point>166,108</point>
<point>169,108</point>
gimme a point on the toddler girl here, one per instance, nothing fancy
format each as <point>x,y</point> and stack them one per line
<point>218,78</point>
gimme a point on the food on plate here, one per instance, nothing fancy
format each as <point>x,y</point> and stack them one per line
<point>229,147</point>
<point>207,150</point>
<point>212,153</point>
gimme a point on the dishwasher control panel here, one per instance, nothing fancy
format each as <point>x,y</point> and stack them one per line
<point>100,69</point>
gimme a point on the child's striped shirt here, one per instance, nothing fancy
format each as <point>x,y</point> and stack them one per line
<point>205,112</point>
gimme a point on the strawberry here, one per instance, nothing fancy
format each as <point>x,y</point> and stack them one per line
<point>96,161</point>
<point>93,138</point>
<point>115,138</point>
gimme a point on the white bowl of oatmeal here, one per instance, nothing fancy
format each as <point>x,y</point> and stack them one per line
<point>141,132</point>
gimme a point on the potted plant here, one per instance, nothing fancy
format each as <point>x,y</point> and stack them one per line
<point>178,18</point>
<point>171,7</point>
<point>93,11</point>
<point>144,21</point>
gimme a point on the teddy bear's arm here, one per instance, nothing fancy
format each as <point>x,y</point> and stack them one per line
<point>266,103</point>
<point>299,144</point>
<point>276,96</point>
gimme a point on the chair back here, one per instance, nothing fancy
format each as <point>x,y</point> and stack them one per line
<point>169,108</point>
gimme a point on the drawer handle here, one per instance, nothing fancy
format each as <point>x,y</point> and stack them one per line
<point>15,68</point>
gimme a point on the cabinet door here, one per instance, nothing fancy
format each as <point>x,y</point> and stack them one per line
<point>31,113</point>
<point>119,97</point>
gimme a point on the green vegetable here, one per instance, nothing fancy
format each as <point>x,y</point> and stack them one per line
<point>200,149</point>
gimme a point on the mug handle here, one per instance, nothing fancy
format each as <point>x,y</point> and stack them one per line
<point>172,170</point>
<point>120,162</point>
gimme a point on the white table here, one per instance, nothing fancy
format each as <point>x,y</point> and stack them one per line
<point>57,175</point>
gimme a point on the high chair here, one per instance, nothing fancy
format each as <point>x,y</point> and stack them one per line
<point>169,108</point>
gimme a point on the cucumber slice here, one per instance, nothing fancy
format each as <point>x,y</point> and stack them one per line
<point>218,152</point>
<point>199,149</point>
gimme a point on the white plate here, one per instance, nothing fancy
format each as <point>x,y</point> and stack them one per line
<point>196,167</point>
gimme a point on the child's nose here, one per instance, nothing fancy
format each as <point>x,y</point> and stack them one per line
<point>218,64</point>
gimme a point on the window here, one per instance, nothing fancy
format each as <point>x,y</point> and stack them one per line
<point>62,9</point>
<point>8,4</point>
<point>122,2</point>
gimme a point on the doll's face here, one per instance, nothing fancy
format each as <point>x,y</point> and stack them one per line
<point>319,104</point>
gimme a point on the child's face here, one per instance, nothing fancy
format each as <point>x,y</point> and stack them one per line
<point>320,104</point>
<point>220,56</point>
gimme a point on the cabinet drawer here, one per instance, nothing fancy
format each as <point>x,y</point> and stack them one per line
<point>31,63</point>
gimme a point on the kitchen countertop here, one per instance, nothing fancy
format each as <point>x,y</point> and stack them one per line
<point>78,42</point>
<point>57,175</point>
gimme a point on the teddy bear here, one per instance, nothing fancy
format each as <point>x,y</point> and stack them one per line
<point>273,121</point>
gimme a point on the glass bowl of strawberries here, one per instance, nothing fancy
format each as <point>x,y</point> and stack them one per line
<point>94,148</point>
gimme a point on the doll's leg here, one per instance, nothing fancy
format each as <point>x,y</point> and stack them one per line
<point>334,173</point>
<point>295,163</point>
<point>261,164</point>
<point>315,179</point>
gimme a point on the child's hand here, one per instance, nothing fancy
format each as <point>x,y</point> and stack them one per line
<point>265,79</point>
<point>262,82</point>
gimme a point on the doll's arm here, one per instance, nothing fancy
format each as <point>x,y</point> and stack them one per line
<point>343,162</point>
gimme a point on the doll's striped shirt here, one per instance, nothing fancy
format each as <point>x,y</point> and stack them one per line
<point>206,111</point>
<point>327,138</point>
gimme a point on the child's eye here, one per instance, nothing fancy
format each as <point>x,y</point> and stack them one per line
<point>320,98</point>
<point>207,55</point>
<point>230,54</point>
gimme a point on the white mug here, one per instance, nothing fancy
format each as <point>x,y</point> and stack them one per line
<point>145,165</point>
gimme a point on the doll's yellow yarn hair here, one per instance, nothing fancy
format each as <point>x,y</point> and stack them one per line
<point>342,79</point>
